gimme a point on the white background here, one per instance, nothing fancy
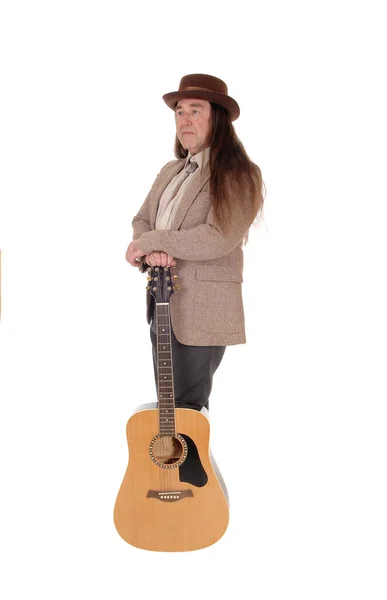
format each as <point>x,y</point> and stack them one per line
<point>298,413</point>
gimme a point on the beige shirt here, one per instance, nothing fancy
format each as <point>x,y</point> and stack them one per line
<point>174,192</point>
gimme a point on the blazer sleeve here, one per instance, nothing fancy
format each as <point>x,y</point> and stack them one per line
<point>203,242</point>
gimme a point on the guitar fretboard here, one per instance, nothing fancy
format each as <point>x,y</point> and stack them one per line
<point>165,389</point>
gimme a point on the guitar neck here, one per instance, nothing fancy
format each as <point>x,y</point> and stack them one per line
<point>165,387</point>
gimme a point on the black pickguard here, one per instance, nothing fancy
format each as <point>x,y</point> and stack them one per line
<point>192,471</point>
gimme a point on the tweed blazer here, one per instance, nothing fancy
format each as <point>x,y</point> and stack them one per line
<point>208,308</point>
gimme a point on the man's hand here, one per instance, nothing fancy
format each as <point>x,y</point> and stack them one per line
<point>134,252</point>
<point>155,259</point>
<point>160,259</point>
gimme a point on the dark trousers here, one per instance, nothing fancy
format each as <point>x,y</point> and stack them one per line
<point>193,370</point>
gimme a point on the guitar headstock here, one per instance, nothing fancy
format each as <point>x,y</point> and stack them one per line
<point>162,283</point>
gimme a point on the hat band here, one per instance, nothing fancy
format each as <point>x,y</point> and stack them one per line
<point>195,87</point>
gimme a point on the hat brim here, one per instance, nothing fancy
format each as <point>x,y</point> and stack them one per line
<point>227,102</point>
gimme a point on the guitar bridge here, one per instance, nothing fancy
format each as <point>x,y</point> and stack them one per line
<point>169,496</point>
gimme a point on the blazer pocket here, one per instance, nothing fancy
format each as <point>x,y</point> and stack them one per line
<point>218,273</point>
<point>218,306</point>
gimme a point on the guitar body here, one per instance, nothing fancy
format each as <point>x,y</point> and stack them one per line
<point>172,497</point>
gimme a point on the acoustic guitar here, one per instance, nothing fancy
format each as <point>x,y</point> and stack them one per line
<point>173,497</point>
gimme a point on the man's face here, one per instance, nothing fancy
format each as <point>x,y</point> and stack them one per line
<point>193,121</point>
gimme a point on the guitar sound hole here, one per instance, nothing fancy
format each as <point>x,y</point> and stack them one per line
<point>167,450</point>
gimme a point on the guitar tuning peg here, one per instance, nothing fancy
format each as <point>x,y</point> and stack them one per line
<point>147,287</point>
<point>176,288</point>
<point>149,269</point>
<point>149,278</point>
<point>175,276</point>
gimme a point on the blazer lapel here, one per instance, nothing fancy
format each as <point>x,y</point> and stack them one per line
<point>164,180</point>
<point>190,194</point>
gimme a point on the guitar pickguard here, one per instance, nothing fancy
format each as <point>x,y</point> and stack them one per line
<point>192,471</point>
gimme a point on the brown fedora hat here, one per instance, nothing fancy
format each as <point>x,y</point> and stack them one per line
<point>205,87</point>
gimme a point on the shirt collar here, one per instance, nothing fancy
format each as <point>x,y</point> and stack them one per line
<point>201,158</point>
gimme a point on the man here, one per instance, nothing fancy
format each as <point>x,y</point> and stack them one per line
<point>196,217</point>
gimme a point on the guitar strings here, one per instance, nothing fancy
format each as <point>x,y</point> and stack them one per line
<point>166,475</point>
<point>157,309</point>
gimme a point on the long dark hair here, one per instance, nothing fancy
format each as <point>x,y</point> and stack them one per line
<point>235,181</point>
